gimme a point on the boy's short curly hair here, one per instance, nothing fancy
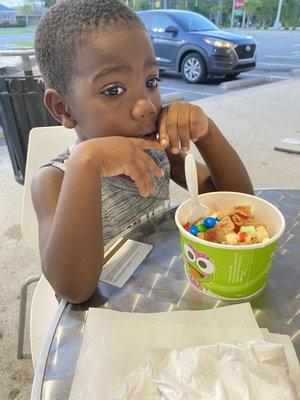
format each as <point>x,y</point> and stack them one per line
<point>65,26</point>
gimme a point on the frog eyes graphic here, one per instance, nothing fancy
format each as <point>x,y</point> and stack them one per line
<point>205,265</point>
<point>189,252</point>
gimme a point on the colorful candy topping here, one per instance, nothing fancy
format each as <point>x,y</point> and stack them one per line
<point>236,227</point>
<point>209,222</point>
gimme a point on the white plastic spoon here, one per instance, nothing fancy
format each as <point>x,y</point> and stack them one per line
<point>197,210</point>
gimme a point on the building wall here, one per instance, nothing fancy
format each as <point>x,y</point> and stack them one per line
<point>33,20</point>
<point>8,17</point>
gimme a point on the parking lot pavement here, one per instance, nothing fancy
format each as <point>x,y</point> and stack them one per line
<point>174,83</point>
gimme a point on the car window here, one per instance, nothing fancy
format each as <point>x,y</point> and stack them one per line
<point>160,23</point>
<point>195,22</point>
<point>146,18</point>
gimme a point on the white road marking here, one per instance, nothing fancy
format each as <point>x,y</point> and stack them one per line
<point>280,65</point>
<point>292,57</point>
<point>271,76</point>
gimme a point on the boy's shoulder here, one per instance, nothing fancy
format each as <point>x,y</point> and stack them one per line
<point>46,185</point>
<point>61,160</point>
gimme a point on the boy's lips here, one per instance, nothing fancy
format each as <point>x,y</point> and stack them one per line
<point>150,136</point>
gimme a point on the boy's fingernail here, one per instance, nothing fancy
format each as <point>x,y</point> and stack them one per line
<point>185,148</point>
<point>162,172</point>
<point>194,139</point>
<point>163,142</point>
<point>174,150</point>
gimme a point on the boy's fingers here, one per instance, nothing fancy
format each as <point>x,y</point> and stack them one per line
<point>142,166</point>
<point>173,140</point>
<point>163,134</point>
<point>145,177</point>
<point>184,126</point>
<point>198,123</point>
<point>144,144</point>
<point>172,128</point>
<point>153,167</point>
<point>137,172</point>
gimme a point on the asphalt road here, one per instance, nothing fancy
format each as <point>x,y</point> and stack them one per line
<point>7,39</point>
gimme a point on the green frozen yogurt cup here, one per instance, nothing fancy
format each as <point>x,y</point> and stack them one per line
<point>229,272</point>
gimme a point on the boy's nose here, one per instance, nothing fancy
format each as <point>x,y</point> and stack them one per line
<point>143,109</point>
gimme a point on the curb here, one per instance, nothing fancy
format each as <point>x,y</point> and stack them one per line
<point>169,97</point>
<point>273,67</point>
<point>244,82</point>
<point>295,72</point>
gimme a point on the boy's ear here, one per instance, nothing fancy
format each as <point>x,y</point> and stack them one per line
<point>58,107</point>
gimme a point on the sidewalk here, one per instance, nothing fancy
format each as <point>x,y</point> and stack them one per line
<point>253,120</point>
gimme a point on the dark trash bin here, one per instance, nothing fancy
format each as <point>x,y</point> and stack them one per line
<point>21,109</point>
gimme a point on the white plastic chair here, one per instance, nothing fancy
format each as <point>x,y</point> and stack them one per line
<point>44,144</point>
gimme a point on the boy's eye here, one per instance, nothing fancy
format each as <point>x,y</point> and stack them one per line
<point>152,83</point>
<point>113,91</point>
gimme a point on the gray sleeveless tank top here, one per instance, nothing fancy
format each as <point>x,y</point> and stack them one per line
<point>122,205</point>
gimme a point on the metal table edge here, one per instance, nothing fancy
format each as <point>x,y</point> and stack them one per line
<point>39,373</point>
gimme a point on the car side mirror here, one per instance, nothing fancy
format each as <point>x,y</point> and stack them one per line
<point>171,29</point>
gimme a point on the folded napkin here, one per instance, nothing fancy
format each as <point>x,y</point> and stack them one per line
<point>252,370</point>
<point>116,343</point>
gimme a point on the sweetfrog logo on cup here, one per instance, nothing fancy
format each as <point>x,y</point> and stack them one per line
<point>223,271</point>
<point>199,267</point>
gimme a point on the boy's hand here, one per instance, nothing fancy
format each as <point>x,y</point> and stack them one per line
<point>179,123</point>
<point>115,155</point>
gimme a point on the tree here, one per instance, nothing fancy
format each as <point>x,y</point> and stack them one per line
<point>27,10</point>
<point>138,5</point>
<point>48,3</point>
<point>263,10</point>
<point>250,6</point>
<point>141,5</point>
<point>208,8</point>
<point>290,14</point>
<point>227,10</point>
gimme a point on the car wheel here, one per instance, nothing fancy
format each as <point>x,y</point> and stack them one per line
<point>193,68</point>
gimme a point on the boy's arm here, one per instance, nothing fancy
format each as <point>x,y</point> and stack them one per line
<point>224,169</point>
<point>68,207</point>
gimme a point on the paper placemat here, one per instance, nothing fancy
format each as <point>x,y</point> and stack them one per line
<point>114,343</point>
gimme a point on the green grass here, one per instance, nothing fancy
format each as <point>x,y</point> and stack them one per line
<point>25,43</point>
<point>16,31</point>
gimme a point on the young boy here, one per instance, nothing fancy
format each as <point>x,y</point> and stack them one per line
<point>102,80</point>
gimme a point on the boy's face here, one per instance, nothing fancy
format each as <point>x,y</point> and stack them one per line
<point>114,85</point>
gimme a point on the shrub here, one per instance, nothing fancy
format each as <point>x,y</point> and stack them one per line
<point>8,25</point>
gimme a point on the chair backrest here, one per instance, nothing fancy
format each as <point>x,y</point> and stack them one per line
<point>44,144</point>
